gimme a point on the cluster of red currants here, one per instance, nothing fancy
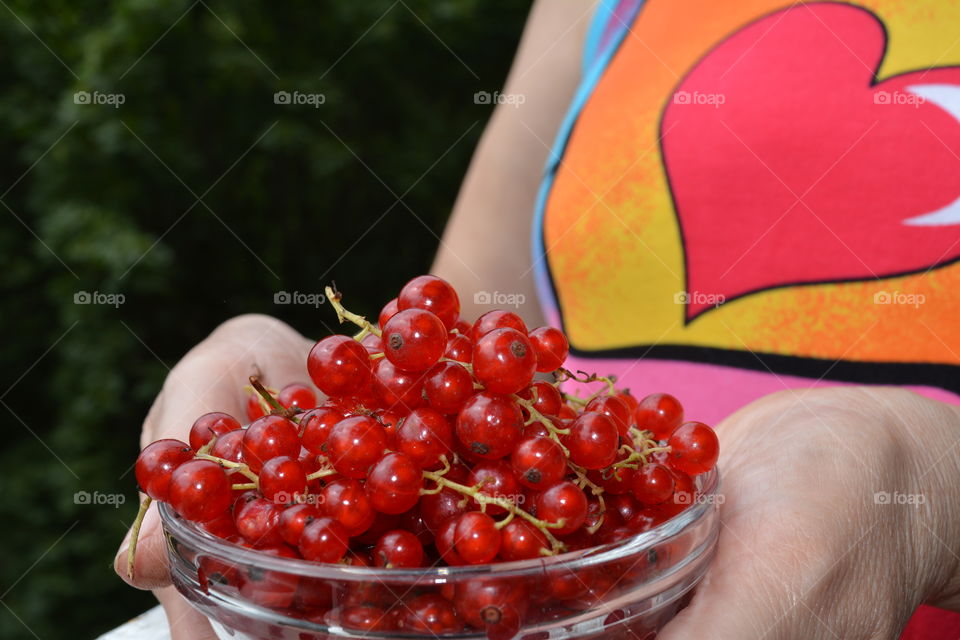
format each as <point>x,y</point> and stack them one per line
<point>436,444</point>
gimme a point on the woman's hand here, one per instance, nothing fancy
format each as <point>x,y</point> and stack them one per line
<point>841,516</point>
<point>209,378</point>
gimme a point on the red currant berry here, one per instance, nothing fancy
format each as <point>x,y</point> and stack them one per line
<point>430,614</point>
<point>389,310</point>
<point>222,527</point>
<point>567,412</point>
<point>413,522</point>
<point>258,520</point>
<point>269,437</point>
<point>431,294</point>
<point>382,522</point>
<point>496,319</point>
<point>563,502</point>
<point>614,481</point>
<point>444,541</point>
<point>315,427</point>
<point>398,549</point>
<point>539,462</point>
<point>548,400</point>
<point>447,386</point>
<point>200,491</point>
<point>372,343</point>
<point>436,508</point>
<point>489,425</point>
<point>476,538</point>
<point>551,348</point>
<point>414,339</point>
<point>694,448</point>
<point>157,462</point>
<point>504,361</point>
<point>631,402</point>
<point>396,388</point>
<point>535,429</point>
<point>494,604</point>
<point>209,426</point>
<point>283,480</point>
<point>592,441</point>
<point>684,489</point>
<point>394,483</point>
<point>390,421</point>
<point>425,435</point>
<point>614,408</point>
<point>339,365</point>
<point>495,478</point>
<point>345,501</point>
<point>273,589</point>
<point>624,505</point>
<point>255,407</point>
<point>293,519</point>
<point>522,541</point>
<point>323,540</point>
<point>297,395</point>
<point>659,413</point>
<point>652,484</point>
<point>459,348</point>
<point>354,444</point>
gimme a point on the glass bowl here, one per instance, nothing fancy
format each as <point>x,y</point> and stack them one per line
<point>628,589</point>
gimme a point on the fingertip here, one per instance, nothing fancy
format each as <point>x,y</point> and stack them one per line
<point>151,565</point>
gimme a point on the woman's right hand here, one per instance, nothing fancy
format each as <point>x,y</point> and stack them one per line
<point>210,377</point>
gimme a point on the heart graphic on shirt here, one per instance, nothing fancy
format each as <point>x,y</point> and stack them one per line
<point>789,162</point>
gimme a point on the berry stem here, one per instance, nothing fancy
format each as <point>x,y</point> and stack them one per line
<point>276,408</point>
<point>483,499</point>
<point>583,377</point>
<point>343,315</point>
<point>595,489</point>
<point>322,473</point>
<point>135,535</point>
<point>535,415</point>
<point>575,399</point>
<point>244,486</point>
<point>230,464</point>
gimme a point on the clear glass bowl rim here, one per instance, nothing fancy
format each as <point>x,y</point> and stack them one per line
<point>206,543</point>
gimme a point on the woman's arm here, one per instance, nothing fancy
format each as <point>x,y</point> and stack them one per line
<point>486,245</point>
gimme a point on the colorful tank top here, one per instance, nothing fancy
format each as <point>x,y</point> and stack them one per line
<point>757,195</point>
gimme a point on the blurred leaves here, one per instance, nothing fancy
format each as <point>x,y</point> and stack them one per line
<point>105,199</point>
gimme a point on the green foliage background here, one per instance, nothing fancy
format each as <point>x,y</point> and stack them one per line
<point>104,199</point>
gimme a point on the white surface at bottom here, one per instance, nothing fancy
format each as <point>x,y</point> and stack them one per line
<point>152,625</point>
<point>149,625</point>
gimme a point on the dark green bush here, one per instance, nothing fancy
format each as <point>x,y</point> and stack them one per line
<point>105,199</point>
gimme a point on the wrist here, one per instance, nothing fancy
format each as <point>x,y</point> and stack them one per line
<point>932,430</point>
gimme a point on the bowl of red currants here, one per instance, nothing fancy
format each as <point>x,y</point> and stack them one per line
<point>448,482</point>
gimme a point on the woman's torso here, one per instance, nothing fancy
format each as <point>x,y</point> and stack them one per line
<point>759,195</point>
